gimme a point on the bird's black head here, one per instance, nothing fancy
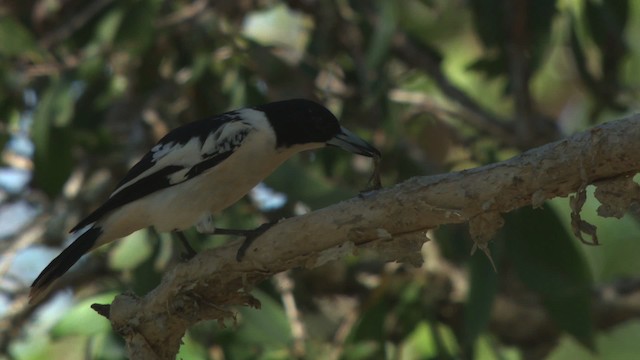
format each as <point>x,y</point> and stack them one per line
<point>300,121</point>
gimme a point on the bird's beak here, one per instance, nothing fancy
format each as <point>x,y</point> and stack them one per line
<point>352,143</point>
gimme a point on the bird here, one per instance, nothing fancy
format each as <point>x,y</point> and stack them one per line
<point>197,170</point>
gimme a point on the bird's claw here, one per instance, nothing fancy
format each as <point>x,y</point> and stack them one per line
<point>189,252</point>
<point>250,236</point>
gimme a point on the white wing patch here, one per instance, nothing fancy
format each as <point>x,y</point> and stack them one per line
<point>187,154</point>
<point>178,176</point>
<point>169,154</point>
<point>160,150</point>
<point>226,138</point>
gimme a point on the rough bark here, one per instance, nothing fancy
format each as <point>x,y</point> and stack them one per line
<point>393,220</point>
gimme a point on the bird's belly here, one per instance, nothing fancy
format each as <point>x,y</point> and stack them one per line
<point>182,212</point>
<point>186,203</point>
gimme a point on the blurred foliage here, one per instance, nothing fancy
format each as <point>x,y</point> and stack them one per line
<point>437,85</point>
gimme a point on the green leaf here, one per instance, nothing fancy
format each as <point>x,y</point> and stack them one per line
<point>367,335</point>
<point>408,310</point>
<point>430,341</point>
<point>82,320</point>
<point>618,256</point>
<point>281,27</point>
<point>486,349</point>
<point>307,183</point>
<point>421,344</point>
<point>68,347</point>
<point>107,28</point>
<point>382,34</point>
<point>52,137</point>
<point>34,347</point>
<point>267,326</point>
<point>494,24</point>
<point>191,349</point>
<point>606,22</point>
<point>130,252</point>
<point>15,39</point>
<point>484,284</point>
<point>136,30</point>
<point>548,261</point>
<point>363,351</point>
<point>488,16</point>
<point>619,343</point>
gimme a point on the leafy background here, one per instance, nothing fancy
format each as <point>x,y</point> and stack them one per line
<point>87,87</point>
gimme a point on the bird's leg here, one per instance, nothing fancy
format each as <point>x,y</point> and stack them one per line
<point>249,236</point>
<point>189,251</point>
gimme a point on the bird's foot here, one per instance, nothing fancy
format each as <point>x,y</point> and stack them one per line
<point>249,236</point>
<point>189,251</point>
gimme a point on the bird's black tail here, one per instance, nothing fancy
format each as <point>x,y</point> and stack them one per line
<point>58,266</point>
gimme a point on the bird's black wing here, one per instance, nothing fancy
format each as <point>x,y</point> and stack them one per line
<point>182,154</point>
<point>180,136</point>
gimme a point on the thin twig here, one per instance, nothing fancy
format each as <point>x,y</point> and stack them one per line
<point>342,334</point>
<point>73,24</point>
<point>185,13</point>
<point>409,52</point>
<point>285,285</point>
<point>25,239</point>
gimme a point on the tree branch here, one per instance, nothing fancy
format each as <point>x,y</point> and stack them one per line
<point>393,219</point>
<point>420,57</point>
